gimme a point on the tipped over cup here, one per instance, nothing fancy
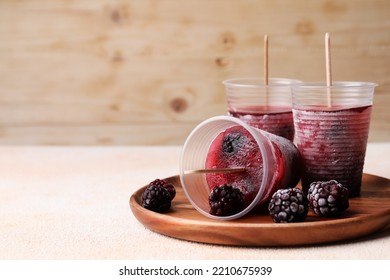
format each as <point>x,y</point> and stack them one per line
<point>264,162</point>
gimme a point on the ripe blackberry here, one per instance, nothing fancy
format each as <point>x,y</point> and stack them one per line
<point>328,198</point>
<point>288,206</point>
<point>156,198</point>
<point>163,183</point>
<point>232,143</point>
<point>226,200</point>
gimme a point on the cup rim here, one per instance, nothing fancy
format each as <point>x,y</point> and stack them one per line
<point>258,82</point>
<point>334,85</point>
<point>264,174</point>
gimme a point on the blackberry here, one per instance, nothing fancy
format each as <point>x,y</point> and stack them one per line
<point>232,142</point>
<point>226,200</point>
<point>288,206</point>
<point>156,198</point>
<point>328,198</point>
<point>163,183</point>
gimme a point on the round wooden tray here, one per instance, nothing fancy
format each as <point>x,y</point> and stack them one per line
<point>367,214</point>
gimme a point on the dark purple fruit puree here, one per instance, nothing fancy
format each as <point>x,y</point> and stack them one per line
<point>333,145</point>
<point>277,120</point>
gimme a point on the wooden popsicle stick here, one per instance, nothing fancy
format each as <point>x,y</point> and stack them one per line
<point>328,69</point>
<point>216,170</point>
<point>266,70</point>
<point>266,60</point>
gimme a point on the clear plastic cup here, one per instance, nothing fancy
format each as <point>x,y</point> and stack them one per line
<point>267,107</point>
<point>331,126</point>
<point>271,163</point>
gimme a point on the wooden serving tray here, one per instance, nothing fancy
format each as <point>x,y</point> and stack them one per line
<point>367,214</point>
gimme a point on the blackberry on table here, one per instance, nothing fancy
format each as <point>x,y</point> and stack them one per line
<point>288,206</point>
<point>164,183</point>
<point>156,198</point>
<point>226,200</point>
<point>328,198</point>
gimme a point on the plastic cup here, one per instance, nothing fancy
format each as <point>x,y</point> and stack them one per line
<point>331,126</point>
<point>276,166</point>
<point>267,107</point>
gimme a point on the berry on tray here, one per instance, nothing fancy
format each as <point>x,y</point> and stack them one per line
<point>328,198</point>
<point>288,206</point>
<point>158,195</point>
<point>164,183</point>
<point>226,200</point>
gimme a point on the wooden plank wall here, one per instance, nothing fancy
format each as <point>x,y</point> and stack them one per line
<point>137,72</point>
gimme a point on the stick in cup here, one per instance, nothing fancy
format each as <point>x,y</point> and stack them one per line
<point>331,122</point>
<point>263,103</point>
